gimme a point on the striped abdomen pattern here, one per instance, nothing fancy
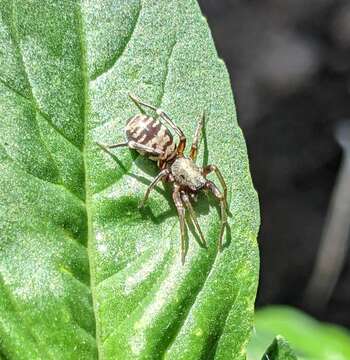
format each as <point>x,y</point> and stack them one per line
<point>151,132</point>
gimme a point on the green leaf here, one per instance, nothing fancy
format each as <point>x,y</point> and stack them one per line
<point>83,273</point>
<point>279,350</point>
<point>309,338</point>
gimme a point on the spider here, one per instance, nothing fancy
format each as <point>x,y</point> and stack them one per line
<point>150,137</point>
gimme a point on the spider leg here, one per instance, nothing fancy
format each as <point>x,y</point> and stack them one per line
<point>161,175</point>
<point>106,147</point>
<point>182,144</point>
<point>196,138</point>
<point>133,145</point>
<point>217,193</point>
<point>117,145</point>
<point>181,212</point>
<point>193,216</point>
<point>147,149</point>
<point>210,168</point>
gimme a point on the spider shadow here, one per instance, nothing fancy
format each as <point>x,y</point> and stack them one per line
<point>201,207</point>
<point>146,211</point>
<point>205,145</point>
<point>207,201</point>
<point>211,200</point>
<point>151,170</point>
<point>113,156</point>
<point>143,164</point>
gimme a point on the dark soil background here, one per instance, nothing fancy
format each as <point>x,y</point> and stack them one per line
<point>289,63</point>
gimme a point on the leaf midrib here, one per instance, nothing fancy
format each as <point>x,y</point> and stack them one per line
<point>85,112</point>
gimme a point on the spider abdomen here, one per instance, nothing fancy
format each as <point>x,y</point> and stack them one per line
<point>146,130</point>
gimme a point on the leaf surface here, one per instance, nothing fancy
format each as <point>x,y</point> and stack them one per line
<point>83,273</point>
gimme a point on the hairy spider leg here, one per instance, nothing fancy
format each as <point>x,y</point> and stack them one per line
<point>196,138</point>
<point>219,196</point>
<point>182,144</point>
<point>193,216</point>
<point>160,176</point>
<point>181,212</point>
<point>134,145</point>
<point>116,145</point>
<point>210,168</point>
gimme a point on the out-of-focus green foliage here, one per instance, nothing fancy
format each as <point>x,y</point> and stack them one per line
<point>279,350</point>
<point>309,338</point>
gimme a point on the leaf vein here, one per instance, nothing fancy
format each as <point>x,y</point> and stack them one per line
<point>87,333</point>
<point>214,346</point>
<point>119,54</point>
<point>123,266</point>
<point>80,282</point>
<point>186,312</point>
<point>39,111</point>
<point>31,99</point>
<point>13,30</point>
<point>85,105</point>
<point>36,339</point>
<point>21,168</point>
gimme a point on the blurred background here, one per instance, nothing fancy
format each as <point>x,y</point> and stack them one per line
<point>289,63</point>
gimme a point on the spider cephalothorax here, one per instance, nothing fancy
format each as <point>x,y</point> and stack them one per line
<point>187,174</point>
<point>151,137</point>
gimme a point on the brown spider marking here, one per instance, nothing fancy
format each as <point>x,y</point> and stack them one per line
<point>150,137</point>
